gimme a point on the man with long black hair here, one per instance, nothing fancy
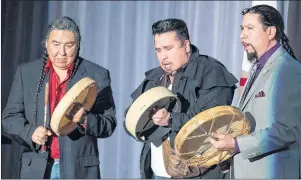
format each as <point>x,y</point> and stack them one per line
<point>271,99</point>
<point>76,154</point>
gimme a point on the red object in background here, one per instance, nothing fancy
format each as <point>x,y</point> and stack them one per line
<point>242,81</point>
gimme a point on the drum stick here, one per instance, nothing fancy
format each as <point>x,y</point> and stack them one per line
<point>45,110</point>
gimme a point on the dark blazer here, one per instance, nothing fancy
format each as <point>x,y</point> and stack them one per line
<point>201,84</point>
<point>78,151</point>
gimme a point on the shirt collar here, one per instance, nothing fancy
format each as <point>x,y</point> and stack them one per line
<point>264,58</point>
<point>50,66</point>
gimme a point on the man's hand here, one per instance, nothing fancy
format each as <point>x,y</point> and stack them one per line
<point>222,141</point>
<point>81,113</point>
<point>161,117</point>
<point>40,135</point>
<point>77,113</point>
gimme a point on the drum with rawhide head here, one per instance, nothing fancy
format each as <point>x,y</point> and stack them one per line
<point>192,142</point>
<point>138,120</point>
<point>84,92</point>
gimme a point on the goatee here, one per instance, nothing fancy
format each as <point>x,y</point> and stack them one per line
<point>252,56</point>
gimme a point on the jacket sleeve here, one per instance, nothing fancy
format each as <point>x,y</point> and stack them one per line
<point>13,118</point>
<point>101,120</point>
<point>284,113</point>
<point>215,86</point>
<point>207,99</point>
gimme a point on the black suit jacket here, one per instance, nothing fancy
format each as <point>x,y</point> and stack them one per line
<point>78,151</point>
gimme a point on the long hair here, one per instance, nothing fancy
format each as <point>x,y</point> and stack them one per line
<point>269,16</point>
<point>63,23</point>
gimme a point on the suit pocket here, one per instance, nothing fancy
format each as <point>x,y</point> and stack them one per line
<point>89,168</point>
<point>289,167</point>
<point>26,162</point>
<point>89,161</point>
<point>33,166</point>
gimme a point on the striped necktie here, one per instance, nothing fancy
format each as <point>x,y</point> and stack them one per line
<point>252,78</point>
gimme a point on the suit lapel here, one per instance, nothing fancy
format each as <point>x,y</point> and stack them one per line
<point>262,75</point>
<point>244,88</point>
<point>259,80</point>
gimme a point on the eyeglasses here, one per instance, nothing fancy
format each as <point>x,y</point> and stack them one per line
<point>257,11</point>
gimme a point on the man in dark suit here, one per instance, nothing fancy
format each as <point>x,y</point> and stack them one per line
<point>76,154</point>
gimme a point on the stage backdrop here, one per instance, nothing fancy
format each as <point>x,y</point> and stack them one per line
<point>117,36</point>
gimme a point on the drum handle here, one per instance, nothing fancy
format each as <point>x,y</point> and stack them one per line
<point>45,110</point>
<point>164,84</point>
<point>149,119</point>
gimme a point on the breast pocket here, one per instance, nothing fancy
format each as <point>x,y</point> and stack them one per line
<point>258,103</point>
